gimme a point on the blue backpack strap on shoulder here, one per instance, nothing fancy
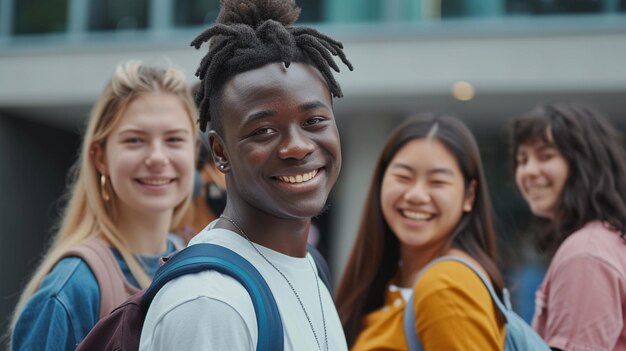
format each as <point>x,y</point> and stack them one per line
<point>200,257</point>
<point>501,306</point>
<point>409,310</point>
<point>408,322</point>
<point>525,338</point>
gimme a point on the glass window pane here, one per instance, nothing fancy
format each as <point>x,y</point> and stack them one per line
<point>40,16</point>
<point>118,14</point>
<point>202,12</point>
<point>554,7</point>
<point>451,9</point>
<point>311,10</point>
<point>195,12</point>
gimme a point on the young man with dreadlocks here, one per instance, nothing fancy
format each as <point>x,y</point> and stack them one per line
<point>267,90</point>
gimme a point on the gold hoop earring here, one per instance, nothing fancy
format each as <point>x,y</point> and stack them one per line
<point>103,190</point>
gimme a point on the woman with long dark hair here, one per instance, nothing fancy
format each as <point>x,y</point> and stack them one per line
<point>428,198</point>
<point>570,167</point>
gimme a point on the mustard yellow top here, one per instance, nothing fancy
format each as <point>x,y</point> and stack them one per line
<point>454,311</point>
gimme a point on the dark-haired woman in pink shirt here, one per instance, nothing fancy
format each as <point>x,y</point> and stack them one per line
<point>570,167</point>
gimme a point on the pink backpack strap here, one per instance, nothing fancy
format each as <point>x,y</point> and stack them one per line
<point>114,289</point>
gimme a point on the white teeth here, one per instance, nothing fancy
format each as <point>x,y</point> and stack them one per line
<point>537,189</point>
<point>155,182</point>
<point>300,178</point>
<point>417,215</point>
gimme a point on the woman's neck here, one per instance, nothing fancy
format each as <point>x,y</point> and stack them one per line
<point>146,234</point>
<point>412,260</point>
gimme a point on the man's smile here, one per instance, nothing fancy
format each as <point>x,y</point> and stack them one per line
<point>299,178</point>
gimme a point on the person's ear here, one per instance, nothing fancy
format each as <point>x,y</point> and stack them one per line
<point>470,196</point>
<point>218,150</point>
<point>98,157</point>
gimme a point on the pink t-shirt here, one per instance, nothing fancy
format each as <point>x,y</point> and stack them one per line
<point>581,304</point>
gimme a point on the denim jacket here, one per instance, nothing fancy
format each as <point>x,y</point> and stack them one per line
<point>67,304</point>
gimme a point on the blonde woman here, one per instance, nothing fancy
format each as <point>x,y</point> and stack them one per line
<point>132,183</point>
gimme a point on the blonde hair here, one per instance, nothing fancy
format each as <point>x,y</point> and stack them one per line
<point>87,215</point>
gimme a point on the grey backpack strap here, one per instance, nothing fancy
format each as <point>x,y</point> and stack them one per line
<point>114,289</point>
<point>408,321</point>
<point>409,310</point>
<point>502,307</point>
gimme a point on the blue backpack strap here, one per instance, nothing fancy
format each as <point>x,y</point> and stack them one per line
<point>501,306</point>
<point>409,310</point>
<point>200,257</point>
<point>408,322</point>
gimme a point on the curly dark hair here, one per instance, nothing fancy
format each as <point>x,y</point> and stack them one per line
<point>596,185</point>
<point>252,33</point>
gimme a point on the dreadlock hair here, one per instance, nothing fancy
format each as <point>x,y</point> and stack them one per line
<point>250,34</point>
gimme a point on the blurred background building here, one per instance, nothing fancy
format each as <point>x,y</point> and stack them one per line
<point>481,60</point>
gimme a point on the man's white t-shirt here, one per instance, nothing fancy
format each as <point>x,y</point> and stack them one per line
<point>212,311</point>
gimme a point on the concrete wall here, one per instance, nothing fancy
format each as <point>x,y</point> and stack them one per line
<point>400,65</point>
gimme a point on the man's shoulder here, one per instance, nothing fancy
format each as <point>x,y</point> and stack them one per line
<point>213,297</point>
<point>215,301</point>
<point>198,288</point>
<point>210,283</point>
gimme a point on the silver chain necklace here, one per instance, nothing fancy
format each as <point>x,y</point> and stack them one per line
<point>319,295</point>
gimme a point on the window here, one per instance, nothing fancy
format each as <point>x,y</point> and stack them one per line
<point>204,12</point>
<point>40,16</point>
<point>195,12</point>
<point>554,7</point>
<point>106,15</point>
<point>311,11</point>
